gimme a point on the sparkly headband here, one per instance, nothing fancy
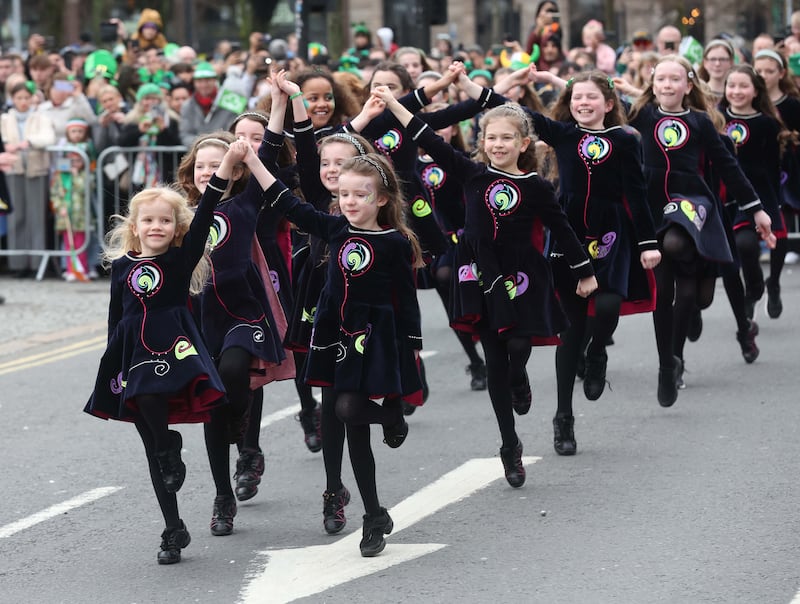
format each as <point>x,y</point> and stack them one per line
<point>216,141</point>
<point>769,53</point>
<point>258,117</point>
<point>377,166</point>
<point>350,139</point>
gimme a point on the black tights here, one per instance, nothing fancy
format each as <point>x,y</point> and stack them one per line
<point>748,248</point>
<point>154,411</point>
<point>681,289</point>
<point>505,365</point>
<point>307,401</point>
<point>253,431</point>
<point>603,325</point>
<point>444,276</point>
<point>234,369</point>
<point>777,258</point>
<point>168,502</point>
<point>355,411</point>
<point>734,288</point>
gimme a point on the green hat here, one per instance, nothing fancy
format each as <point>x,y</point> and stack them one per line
<point>204,71</point>
<point>480,73</point>
<point>794,64</point>
<point>170,49</point>
<point>149,89</point>
<point>100,63</point>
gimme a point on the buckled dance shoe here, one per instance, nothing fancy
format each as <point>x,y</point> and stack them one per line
<point>512,464</point>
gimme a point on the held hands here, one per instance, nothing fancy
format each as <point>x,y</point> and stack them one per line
<point>586,286</point>
<point>650,259</point>
<point>764,228</point>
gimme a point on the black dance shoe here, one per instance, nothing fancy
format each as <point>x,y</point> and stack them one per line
<point>564,435</point>
<point>668,383</point>
<point>695,326</point>
<point>395,434</point>
<point>375,527</point>
<point>222,515</point>
<point>747,341</point>
<point>477,373</point>
<point>594,379</point>
<point>512,464</point>
<point>522,397</point>
<point>333,502</point>
<point>311,423</point>
<point>173,470</point>
<point>173,540</point>
<point>774,303</point>
<point>249,469</point>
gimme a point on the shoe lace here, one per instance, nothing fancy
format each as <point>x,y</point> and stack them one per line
<point>333,505</point>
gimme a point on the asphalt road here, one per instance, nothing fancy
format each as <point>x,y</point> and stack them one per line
<point>696,503</point>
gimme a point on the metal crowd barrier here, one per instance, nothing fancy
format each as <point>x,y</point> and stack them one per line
<point>57,152</point>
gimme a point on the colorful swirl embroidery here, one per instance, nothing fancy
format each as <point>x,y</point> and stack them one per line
<point>468,272</point>
<point>594,149</point>
<point>503,197</point>
<point>433,176</point>
<point>516,285</point>
<point>738,132</point>
<point>184,348</point>
<point>220,229</point>
<point>389,141</point>
<point>601,249</point>
<point>421,208</point>
<point>145,279</point>
<point>356,257</point>
<point>672,133</point>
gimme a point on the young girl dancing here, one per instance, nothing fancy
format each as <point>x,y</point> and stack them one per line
<point>784,94</point>
<point>678,140</point>
<point>367,325</point>
<point>240,325</point>
<point>753,125</point>
<point>602,191</point>
<point>319,167</point>
<point>156,369</point>
<point>505,289</point>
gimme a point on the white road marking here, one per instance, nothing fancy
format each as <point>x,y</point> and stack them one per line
<point>290,574</point>
<point>55,510</point>
<point>796,599</point>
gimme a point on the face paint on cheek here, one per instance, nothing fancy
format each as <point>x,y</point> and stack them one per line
<point>371,197</point>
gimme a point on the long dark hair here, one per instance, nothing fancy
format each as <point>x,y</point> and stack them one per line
<point>561,108</point>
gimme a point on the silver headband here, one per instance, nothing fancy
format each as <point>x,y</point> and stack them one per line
<point>350,139</point>
<point>217,141</point>
<point>372,162</point>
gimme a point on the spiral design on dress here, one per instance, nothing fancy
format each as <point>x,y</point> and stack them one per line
<point>503,197</point>
<point>738,132</point>
<point>389,141</point>
<point>145,279</point>
<point>433,176</point>
<point>594,149</point>
<point>672,133</point>
<point>218,234</point>
<point>356,257</point>
<point>421,208</point>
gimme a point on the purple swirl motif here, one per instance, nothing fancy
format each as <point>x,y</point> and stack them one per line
<point>516,285</point>
<point>594,149</point>
<point>672,133</point>
<point>601,249</point>
<point>145,279</point>
<point>117,384</point>
<point>467,272</point>
<point>433,176</point>
<point>503,197</point>
<point>276,281</point>
<point>737,132</point>
<point>389,141</point>
<point>356,257</point>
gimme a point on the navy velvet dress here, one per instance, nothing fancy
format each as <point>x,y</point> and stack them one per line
<point>154,344</point>
<point>367,322</point>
